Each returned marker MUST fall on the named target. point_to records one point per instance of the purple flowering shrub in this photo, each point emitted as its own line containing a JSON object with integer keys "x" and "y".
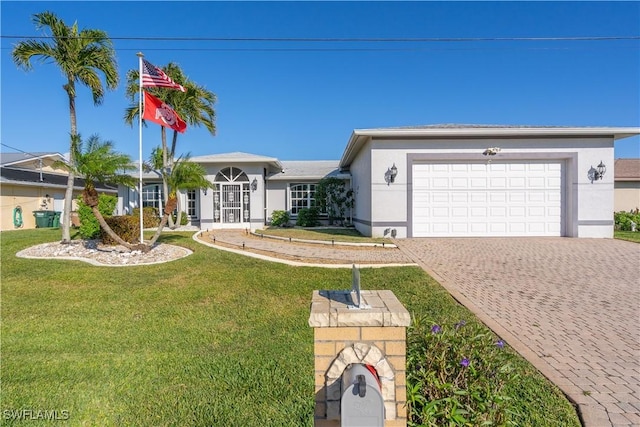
{"x": 456, "y": 375}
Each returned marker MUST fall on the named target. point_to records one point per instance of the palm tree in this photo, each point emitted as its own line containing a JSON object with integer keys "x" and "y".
{"x": 81, "y": 56}
{"x": 195, "y": 107}
{"x": 184, "y": 175}
{"x": 96, "y": 162}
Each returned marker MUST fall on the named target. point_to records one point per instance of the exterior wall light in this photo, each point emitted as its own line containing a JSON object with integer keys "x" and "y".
{"x": 254, "y": 184}
{"x": 596, "y": 173}
{"x": 492, "y": 151}
{"x": 390, "y": 174}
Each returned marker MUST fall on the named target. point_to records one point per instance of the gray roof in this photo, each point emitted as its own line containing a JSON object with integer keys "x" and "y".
{"x": 31, "y": 178}
{"x": 308, "y": 169}
{"x": 237, "y": 157}
{"x": 359, "y": 137}
{"x": 7, "y": 159}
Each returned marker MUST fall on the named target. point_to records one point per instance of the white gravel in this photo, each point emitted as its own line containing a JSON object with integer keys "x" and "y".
{"x": 93, "y": 252}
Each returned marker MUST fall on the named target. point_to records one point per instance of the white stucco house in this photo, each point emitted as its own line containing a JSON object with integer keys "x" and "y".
{"x": 426, "y": 181}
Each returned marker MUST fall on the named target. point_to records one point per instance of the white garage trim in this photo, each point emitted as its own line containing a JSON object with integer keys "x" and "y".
{"x": 481, "y": 198}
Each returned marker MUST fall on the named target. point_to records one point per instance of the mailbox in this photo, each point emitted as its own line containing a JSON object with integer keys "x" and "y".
{"x": 361, "y": 403}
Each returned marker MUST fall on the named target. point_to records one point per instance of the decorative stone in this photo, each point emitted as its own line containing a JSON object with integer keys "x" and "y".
{"x": 331, "y": 309}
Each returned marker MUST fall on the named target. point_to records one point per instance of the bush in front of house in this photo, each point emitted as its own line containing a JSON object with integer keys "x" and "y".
{"x": 184, "y": 219}
{"x": 456, "y": 375}
{"x": 623, "y": 220}
{"x": 126, "y": 226}
{"x": 280, "y": 218}
{"x": 150, "y": 216}
{"x": 308, "y": 217}
{"x": 89, "y": 225}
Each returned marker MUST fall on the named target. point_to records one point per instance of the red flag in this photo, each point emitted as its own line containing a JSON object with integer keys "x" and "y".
{"x": 159, "y": 112}
{"x": 153, "y": 76}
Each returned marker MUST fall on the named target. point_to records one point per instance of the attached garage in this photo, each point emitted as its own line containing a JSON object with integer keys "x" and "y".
{"x": 460, "y": 199}
{"x": 455, "y": 180}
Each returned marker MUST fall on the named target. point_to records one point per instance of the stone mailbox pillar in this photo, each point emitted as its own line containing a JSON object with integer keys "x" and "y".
{"x": 372, "y": 333}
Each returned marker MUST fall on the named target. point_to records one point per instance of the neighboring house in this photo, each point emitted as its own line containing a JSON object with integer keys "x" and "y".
{"x": 30, "y": 182}
{"x": 627, "y": 185}
{"x": 441, "y": 180}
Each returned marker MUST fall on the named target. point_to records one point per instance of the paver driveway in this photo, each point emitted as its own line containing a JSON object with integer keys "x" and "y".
{"x": 570, "y": 306}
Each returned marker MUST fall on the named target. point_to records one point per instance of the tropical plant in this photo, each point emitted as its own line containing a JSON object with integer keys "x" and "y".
{"x": 96, "y": 162}
{"x": 81, "y": 55}
{"x": 194, "y": 106}
{"x": 184, "y": 175}
{"x": 333, "y": 196}
{"x": 627, "y": 221}
{"x": 89, "y": 225}
{"x": 308, "y": 217}
{"x": 280, "y": 218}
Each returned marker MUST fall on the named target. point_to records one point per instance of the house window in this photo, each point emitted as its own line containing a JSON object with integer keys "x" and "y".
{"x": 302, "y": 196}
{"x": 152, "y": 196}
{"x": 191, "y": 204}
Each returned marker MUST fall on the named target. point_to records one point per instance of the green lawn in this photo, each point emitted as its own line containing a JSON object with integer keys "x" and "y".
{"x": 326, "y": 234}
{"x": 627, "y": 235}
{"x": 214, "y": 339}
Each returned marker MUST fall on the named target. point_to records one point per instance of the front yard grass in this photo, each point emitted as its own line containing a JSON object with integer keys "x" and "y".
{"x": 632, "y": 236}
{"x": 214, "y": 339}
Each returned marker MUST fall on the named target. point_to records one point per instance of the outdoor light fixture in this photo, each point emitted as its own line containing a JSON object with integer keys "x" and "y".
{"x": 597, "y": 173}
{"x": 254, "y": 184}
{"x": 390, "y": 174}
{"x": 205, "y": 191}
{"x": 491, "y": 151}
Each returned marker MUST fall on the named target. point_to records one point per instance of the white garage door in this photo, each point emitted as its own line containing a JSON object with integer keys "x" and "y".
{"x": 487, "y": 199}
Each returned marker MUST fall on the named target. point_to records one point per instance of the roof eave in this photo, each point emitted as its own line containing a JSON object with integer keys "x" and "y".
{"x": 360, "y": 136}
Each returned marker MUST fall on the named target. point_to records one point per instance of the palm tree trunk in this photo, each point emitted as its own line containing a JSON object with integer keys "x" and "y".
{"x": 165, "y": 165}
{"x": 68, "y": 195}
{"x": 171, "y": 205}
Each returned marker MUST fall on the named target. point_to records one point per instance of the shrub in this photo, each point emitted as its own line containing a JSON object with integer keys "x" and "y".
{"x": 456, "y": 375}
{"x": 280, "y": 218}
{"x": 89, "y": 226}
{"x": 184, "y": 219}
{"x": 150, "y": 216}
{"x": 127, "y": 227}
{"x": 333, "y": 196}
{"x": 623, "y": 220}
{"x": 308, "y": 217}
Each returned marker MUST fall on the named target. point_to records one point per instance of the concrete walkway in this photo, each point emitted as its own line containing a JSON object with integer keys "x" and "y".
{"x": 570, "y": 306}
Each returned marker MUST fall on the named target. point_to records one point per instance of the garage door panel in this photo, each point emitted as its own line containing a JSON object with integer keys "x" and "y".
{"x": 488, "y": 199}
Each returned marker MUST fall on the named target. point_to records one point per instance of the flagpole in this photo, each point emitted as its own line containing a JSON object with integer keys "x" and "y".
{"x": 140, "y": 56}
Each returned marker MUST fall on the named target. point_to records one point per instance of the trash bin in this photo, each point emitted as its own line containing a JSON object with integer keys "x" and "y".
{"x": 43, "y": 219}
{"x": 56, "y": 219}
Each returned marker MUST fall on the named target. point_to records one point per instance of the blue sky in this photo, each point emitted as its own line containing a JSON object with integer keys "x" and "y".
{"x": 301, "y": 100}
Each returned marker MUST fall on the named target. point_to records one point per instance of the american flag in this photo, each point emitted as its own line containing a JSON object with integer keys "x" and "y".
{"x": 153, "y": 76}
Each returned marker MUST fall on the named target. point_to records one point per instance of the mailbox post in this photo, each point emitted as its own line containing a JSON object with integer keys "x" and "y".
{"x": 351, "y": 343}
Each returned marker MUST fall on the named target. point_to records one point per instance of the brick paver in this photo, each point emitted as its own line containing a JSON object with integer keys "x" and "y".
{"x": 570, "y": 306}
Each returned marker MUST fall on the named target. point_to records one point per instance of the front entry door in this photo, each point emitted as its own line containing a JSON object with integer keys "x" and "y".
{"x": 231, "y": 206}
{"x": 231, "y": 199}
